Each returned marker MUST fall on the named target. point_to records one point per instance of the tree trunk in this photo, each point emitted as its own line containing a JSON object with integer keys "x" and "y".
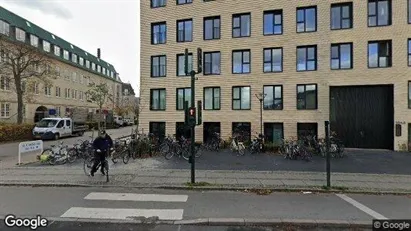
{"x": 100, "y": 119}
{"x": 20, "y": 105}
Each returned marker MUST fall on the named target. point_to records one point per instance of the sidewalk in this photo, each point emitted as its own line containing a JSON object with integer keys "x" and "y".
{"x": 215, "y": 179}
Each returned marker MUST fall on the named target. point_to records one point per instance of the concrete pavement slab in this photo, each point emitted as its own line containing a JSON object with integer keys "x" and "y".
{"x": 293, "y": 182}
{"x": 226, "y": 221}
{"x": 266, "y": 183}
{"x": 249, "y": 182}
{"x": 225, "y": 181}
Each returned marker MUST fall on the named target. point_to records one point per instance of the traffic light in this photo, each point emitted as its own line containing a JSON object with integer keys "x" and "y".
{"x": 199, "y": 60}
{"x": 199, "y": 106}
{"x": 192, "y": 116}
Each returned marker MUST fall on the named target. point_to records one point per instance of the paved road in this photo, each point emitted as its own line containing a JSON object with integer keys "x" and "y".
{"x": 112, "y": 203}
{"x": 11, "y": 149}
{"x": 77, "y": 226}
{"x": 356, "y": 161}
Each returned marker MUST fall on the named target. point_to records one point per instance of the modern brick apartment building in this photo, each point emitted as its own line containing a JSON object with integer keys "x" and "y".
{"x": 74, "y": 67}
{"x": 348, "y": 62}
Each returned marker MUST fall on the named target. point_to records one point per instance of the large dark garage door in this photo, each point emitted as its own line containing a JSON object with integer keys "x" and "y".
{"x": 363, "y": 116}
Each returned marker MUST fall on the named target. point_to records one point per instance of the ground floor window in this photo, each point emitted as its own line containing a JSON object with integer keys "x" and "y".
{"x": 274, "y": 133}
{"x": 209, "y": 128}
{"x": 5, "y": 110}
{"x": 182, "y": 130}
{"x": 243, "y": 130}
{"x": 158, "y": 129}
{"x": 307, "y": 129}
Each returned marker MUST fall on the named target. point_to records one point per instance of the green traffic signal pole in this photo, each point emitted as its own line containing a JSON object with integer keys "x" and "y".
{"x": 193, "y": 122}
{"x": 193, "y": 76}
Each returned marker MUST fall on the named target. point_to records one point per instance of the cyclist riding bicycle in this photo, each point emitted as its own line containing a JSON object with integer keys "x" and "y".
{"x": 101, "y": 145}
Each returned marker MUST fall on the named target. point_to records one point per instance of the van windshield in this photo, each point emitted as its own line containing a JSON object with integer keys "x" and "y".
{"x": 47, "y": 123}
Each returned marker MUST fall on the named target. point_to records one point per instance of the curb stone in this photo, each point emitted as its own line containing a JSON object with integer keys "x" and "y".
{"x": 206, "y": 188}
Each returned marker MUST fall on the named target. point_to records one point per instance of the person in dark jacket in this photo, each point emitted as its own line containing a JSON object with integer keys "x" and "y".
{"x": 102, "y": 144}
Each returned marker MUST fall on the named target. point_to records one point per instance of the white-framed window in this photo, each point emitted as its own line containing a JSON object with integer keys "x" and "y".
{"x": 74, "y": 58}
{"x": 46, "y": 46}
{"x": 66, "y": 55}
{"x": 93, "y": 66}
{"x": 34, "y": 40}
{"x": 67, "y": 74}
{"x": 57, "y": 50}
{"x": 87, "y": 64}
{"x": 81, "y": 78}
{"x": 5, "y": 110}
{"x": 20, "y": 35}
{"x": 4, "y": 83}
{"x": 58, "y": 92}
{"x": 4, "y": 28}
{"x": 81, "y": 61}
{"x": 57, "y": 70}
{"x": 58, "y": 111}
{"x": 98, "y": 68}
{"x": 47, "y": 91}
{"x": 36, "y": 88}
{"x": 67, "y": 93}
{"x": 104, "y": 70}
{"x": 74, "y": 77}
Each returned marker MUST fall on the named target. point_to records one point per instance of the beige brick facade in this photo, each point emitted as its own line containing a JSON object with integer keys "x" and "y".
{"x": 68, "y": 77}
{"x": 324, "y": 77}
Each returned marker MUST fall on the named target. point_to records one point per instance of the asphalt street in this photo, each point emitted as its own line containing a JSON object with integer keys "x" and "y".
{"x": 76, "y": 226}
{"x": 11, "y": 149}
{"x": 355, "y": 161}
{"x": 113, "y": 203}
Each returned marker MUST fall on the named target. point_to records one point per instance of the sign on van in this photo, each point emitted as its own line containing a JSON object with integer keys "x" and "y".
{"x": 30, "y": 146}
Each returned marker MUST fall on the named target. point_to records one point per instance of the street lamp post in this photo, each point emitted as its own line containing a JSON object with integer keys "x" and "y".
{"x": 260, "y": 97}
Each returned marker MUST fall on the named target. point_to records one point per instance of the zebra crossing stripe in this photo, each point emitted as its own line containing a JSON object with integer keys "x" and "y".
{"x": 136, "y": 197}
{"x": 122, "y": 214}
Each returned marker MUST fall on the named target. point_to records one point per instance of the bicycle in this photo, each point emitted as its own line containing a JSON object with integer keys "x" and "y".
{"x": 237, "y": 146}
{"x": 89, "y": 162}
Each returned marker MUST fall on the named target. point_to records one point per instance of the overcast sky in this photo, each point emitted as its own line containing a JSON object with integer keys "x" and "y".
{"x": 111, "y": 25}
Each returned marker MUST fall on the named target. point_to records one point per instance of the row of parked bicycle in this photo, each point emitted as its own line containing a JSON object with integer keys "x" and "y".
{"x": 124, "y": 148}
{"x": 136, "y": 145}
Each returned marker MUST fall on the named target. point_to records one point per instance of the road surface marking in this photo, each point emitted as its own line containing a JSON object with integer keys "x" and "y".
{"x": 136, "y": 197}
{"x": 109, "y": 213}
{"x": 362, "y": 207}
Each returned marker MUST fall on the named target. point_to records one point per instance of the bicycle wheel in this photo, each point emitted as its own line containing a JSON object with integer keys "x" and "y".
{"x": 170, "y": 153}
{"x": 164, "y": 148}
{"x": 185, "y": 153}
{"x": 114, "y": 157}
{"x": 87, "y": 165}
{"x": 106, "y": 167}
{"x": 241, "y": 149}
{"x": 126, "y": 156}
{"x": 199, "y": 150}
{"x": 71, "y": 155}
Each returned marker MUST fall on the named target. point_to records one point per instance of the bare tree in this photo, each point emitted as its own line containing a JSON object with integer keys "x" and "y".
{"x": 138, "y": 107}
{"x": 24, "y": 66}
{"x": 99, "y": 94}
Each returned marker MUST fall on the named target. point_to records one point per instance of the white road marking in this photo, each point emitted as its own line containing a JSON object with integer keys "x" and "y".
{"x": 122, "y": 214}
{"x": 362, "y": 207}
{"x": 136, "y": 197}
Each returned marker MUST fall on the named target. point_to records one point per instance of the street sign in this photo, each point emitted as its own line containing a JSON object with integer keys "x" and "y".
{"x": 52, "y": 112}
{"x": 30, "y": 146}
